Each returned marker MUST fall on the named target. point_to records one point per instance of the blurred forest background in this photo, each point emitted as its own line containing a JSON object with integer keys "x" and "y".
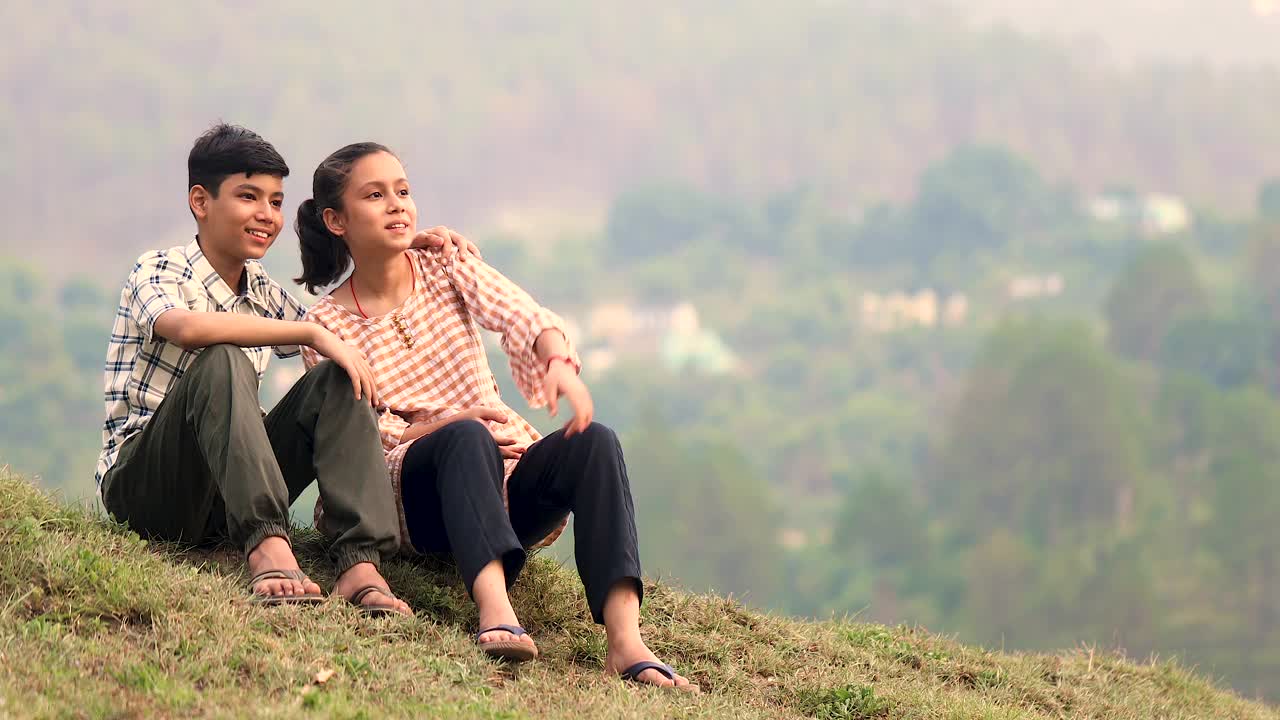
{"x": 966, "y": 315}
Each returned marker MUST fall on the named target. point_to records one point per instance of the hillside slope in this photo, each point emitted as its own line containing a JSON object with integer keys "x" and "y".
{"x": 96, "y": 623}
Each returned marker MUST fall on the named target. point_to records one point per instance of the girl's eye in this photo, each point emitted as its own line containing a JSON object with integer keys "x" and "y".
{"x": 277, "y": 203}
{"x": 375, "y": 194}
{"x": 404, "y": 192}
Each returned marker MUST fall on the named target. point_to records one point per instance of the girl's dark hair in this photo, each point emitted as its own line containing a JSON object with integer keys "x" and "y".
{"x": 324, "y": 255}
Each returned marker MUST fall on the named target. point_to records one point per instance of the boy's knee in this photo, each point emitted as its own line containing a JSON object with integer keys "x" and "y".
{"x": 222, "y": 357}
{"x": 331, "y": 373}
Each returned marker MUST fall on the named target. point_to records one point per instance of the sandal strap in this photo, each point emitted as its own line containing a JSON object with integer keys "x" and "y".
{"x": 513, "y": 629}
{"x": 633, "y": 672}
{"x": 362, "y": 593}
{"x": 297, "y": 575}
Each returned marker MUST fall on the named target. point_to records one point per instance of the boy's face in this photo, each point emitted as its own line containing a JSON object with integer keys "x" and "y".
{"x": 245, "y": 217}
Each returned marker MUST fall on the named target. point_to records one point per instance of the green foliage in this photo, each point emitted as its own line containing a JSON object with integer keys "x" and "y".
{"x": 1229, "y": 351}
{"x": 704, "y": 494}
{"x": 979, "y": 198}
{"x": 661, "y": 218}
{"x": 51, "y": 359}
{"x": 851, "y": 702}
{"x": 1159, "y": 287}
{"x": 1047, "y": 439}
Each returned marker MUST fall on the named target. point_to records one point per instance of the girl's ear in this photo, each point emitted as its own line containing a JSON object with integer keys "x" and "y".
{"x": 333, "y": 221}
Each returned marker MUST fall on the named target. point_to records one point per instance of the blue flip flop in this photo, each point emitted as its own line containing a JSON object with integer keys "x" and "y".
{"x": 513, "y": 650}
{"x": 632, "y": 674}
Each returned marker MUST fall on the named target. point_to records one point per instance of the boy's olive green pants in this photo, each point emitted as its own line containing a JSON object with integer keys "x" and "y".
{"x": 208, "y": 466}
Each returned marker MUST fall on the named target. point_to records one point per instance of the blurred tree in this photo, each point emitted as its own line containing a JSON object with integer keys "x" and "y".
{"x": 659, "y": 218}
{"x": 704, "y": 515}
{"x": 1158, "y": 287}
{"x": 1046, "y": 440}
{"x": 1228, "y": 350}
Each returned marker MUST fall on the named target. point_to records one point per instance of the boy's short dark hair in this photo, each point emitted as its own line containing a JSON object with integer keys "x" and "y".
{"x": 225, "y": 150}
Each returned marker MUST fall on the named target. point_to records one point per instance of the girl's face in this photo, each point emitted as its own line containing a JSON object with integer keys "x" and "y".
{"x": 378, "y": 211}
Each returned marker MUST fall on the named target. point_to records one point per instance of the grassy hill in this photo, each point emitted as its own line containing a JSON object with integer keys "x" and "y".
{"x": 96, "y": 623}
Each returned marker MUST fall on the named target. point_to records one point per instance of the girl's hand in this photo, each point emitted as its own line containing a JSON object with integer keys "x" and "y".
{"x": 561, "y": 379}
{"x": 508, "y": 446}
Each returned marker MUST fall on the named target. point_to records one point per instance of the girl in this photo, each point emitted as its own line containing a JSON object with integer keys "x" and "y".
{"x": 471, "y": 476}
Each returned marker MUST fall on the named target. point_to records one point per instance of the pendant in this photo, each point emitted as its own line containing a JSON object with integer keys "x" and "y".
{"x": 405, "y": 336}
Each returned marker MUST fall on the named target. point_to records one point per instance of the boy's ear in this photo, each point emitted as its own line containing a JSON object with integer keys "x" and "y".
{"x": 333, "y": 221}
{"x": 199, "y": 199}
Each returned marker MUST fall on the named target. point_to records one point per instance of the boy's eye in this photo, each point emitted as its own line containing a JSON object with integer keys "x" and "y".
{"x": 247, "y": 196}
{"x": 277, "y": 203}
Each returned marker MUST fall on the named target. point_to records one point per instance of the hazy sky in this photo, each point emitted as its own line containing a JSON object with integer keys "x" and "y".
{"x": 1218, "y": 31}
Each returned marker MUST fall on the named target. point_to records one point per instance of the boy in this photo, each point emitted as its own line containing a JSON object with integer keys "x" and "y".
{"x": 187, "y": 454}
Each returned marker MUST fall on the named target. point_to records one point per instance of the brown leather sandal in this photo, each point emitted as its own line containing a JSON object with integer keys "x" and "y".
{"x": 297, "y": 575}
{"x": 375, "y": 610}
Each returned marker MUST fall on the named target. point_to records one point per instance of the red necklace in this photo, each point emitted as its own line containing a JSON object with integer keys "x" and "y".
{"x": 396, "y": 319}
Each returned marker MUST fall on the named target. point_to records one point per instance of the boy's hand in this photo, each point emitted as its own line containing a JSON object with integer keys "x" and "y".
{"x": 442, "y": 237}
{"x": 561, "y": 379}
{"x": 350, "y": 359}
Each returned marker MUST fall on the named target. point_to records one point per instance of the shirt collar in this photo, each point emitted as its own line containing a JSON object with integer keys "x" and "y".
{"x": 218, "y": 289}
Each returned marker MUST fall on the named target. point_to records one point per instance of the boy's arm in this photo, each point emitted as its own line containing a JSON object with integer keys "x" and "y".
{"x": 191, "y": 330}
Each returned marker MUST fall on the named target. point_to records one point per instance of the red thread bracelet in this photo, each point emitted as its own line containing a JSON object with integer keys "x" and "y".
{"x": 567, "y": 359}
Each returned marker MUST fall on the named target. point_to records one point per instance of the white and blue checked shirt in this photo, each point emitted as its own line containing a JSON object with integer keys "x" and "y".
{"x": 142, "y": 366}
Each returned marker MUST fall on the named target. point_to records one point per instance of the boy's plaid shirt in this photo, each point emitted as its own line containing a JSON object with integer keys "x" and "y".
{"x": 141, "y": 366}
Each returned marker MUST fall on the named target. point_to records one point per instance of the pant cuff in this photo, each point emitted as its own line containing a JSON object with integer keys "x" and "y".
{"x": 595, "y": 600}
{"x": 264, "y": 531}
{"x": 346, "y": 557}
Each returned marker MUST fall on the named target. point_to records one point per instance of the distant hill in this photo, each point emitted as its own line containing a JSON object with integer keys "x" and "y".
{"x": 509, "y": 107}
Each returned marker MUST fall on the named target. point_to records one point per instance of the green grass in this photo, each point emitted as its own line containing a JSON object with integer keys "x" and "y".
{"x": 95, "y": 623}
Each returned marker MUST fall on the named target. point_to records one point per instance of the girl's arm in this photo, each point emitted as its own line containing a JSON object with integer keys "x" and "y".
{"x": 531, "y": 334}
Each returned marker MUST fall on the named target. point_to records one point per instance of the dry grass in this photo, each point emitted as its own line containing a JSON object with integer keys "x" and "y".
{"x": 96, "y": 623}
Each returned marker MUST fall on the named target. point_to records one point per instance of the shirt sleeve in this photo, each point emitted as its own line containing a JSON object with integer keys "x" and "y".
{"x": 286, "y": 307}
{"x": 500, "y": 305}
{"x": 154, "y": 289}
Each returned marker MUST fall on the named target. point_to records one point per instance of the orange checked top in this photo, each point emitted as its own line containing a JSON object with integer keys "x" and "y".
{"x": 428, "y": 358}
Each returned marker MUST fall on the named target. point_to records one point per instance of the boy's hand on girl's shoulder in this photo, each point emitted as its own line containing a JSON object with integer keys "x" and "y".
{"x": 449, "y": 241}
{"x": 348, "y": 358}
